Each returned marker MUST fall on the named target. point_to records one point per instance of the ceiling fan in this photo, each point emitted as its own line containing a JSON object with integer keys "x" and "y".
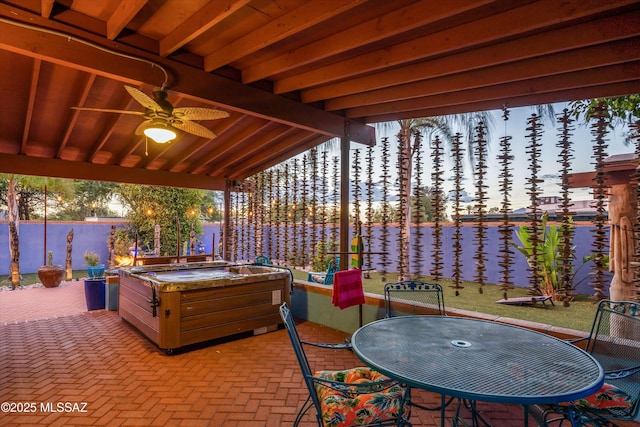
{"x": 161, "y": 117}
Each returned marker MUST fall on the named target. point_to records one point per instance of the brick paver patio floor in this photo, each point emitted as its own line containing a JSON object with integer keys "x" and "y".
{"x": 52, "y": 351}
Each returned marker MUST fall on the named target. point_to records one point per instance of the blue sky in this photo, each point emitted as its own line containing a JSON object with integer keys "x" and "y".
{"x": 516, "y": 128}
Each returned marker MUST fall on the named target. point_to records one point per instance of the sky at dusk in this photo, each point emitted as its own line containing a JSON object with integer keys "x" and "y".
{"x": 516, "y": 128}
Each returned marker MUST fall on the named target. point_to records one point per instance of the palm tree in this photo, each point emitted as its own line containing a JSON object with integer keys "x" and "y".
{"x": 409, "y": 142}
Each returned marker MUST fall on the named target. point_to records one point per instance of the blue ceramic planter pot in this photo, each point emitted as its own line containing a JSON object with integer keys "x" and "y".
{"x": 95, "y": 271}
{"x": 94, "y": 293}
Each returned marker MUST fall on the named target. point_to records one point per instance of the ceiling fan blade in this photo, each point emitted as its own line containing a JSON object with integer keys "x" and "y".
{"x": 107, "y": 110}
{"x": 194, "y": 128}
{"x": 198, "y": 113}
{"x": 145, "y": 100}
{"x": 141, "y": 127}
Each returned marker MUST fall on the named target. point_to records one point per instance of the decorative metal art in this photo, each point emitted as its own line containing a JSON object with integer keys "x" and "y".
{"x": 357, "y": 169}
{"x": 313, "y": 203}
{"x": 635, "y": 130}
{"x": 458, "y": 170}
{"x": 418, "y": 209}
{"x": 268, "y": 210}
{"x": 505, "y": 228}
{"x": 335, "y": 210}
{"x": 243, "y": 224}
{"x": 234, "y": 226}
{"x": 323, "y": 197}
{"x": 599, "y": 131}
{"x": 259, "y": 215}
{"x": 480, "y": 151}
{"x": 369, "y": 212}
{"x": 295, "y": 250}
{"x": 277, "y": 213}
{"x": 535, "y": 230}
{"x": 304, "y": 206}
{"x": 565, "y": 247}
{"x": 437, "y": 152}
{"x": 384, "y": 238}
{"x": 403, "y": 196}
{"x": 286, "y": 214}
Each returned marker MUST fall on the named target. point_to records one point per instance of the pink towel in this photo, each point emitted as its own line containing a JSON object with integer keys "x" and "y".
{"x": 347, "y": 288}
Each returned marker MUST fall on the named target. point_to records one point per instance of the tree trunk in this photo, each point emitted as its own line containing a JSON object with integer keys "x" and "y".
{"x": 14, "y": 241}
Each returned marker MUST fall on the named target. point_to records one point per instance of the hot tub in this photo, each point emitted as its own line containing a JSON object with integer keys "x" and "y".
{"x": 175, "y": 305}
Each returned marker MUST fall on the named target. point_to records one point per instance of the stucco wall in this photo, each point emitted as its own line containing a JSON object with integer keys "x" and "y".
{"x": 94, "y": 235}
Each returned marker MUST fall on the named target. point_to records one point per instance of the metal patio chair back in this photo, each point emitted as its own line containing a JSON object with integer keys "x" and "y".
{"x": 327, "y": 277}
{"x": 413, "y": 297}
{"x": 262, "y": 260}
{"x": 614, "y": 341}
{"x": 376, "y": 401}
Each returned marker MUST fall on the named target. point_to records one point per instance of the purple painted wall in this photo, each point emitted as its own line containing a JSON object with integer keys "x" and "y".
{"x": 94, "y": 235}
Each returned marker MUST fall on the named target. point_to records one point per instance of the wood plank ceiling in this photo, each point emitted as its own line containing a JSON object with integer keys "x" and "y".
{"x": 292, "y": 74}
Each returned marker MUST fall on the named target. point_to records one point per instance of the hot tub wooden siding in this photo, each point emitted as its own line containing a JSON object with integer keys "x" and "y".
{"x": 191, "y": 316}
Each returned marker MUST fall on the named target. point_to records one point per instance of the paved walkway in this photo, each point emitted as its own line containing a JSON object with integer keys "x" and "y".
{"x": 38, "y": 303}
{"x": 102, "y": 372}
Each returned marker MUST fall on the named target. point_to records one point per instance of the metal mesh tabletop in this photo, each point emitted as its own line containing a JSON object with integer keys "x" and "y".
{"x": 477, "y": 359}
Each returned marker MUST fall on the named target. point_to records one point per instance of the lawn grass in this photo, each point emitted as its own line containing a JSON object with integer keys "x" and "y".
{"x": 578, "y": 316}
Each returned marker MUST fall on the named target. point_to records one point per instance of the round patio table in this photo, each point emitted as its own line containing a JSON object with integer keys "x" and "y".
{"x": 478, "y": 360}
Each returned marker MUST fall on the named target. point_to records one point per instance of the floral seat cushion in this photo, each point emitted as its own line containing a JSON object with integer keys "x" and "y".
{"x": 608, "y": 397}
{"x": 342, "y": 409}
{"x": 318, "y": 277}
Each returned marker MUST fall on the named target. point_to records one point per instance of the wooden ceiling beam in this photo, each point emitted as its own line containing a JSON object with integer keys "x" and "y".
{"x": 287, "y": 25}
{"x": 278, "y": 158}
{"x": 238, "y": 138}
{"x": 194, "y": 83}
{"x": 268, "y": 138}
{"x": 581, "y": 35}
{"x": 223, "y": 127}
{"x": 46, "y": 6}
{"x": 600, "y": 91}
{"x": 295, "y": 138}
{"x": 263, "y": 138}
{"x": 208, "y": 17}
{"x": 401, "y": 20}
{"x": 27, "y": 165}
{"x": 586, "y": 58}
{"x": 500, "y": 27}
{"x": 584, "y": 78}
{"x": 108, "y": 130}
{"x": 33, "y": 88}
{"x": 124, "y": 13}
{"x": 91, "y": 78}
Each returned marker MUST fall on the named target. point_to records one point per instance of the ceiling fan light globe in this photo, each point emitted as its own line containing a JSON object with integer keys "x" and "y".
{"x": 160, "y": 134}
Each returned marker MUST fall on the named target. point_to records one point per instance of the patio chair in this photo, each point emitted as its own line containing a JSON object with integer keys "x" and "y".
{"x": 615, "y": 343}
{"x": 413, "y": 297}
{"x": 325, "y": 278}
{"x": 262, "y": 260}
{"x": 357, "y": 396}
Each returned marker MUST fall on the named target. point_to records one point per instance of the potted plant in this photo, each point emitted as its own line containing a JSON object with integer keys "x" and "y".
{"x": 94, "y": 268}
{"x": 50, "y": 275}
